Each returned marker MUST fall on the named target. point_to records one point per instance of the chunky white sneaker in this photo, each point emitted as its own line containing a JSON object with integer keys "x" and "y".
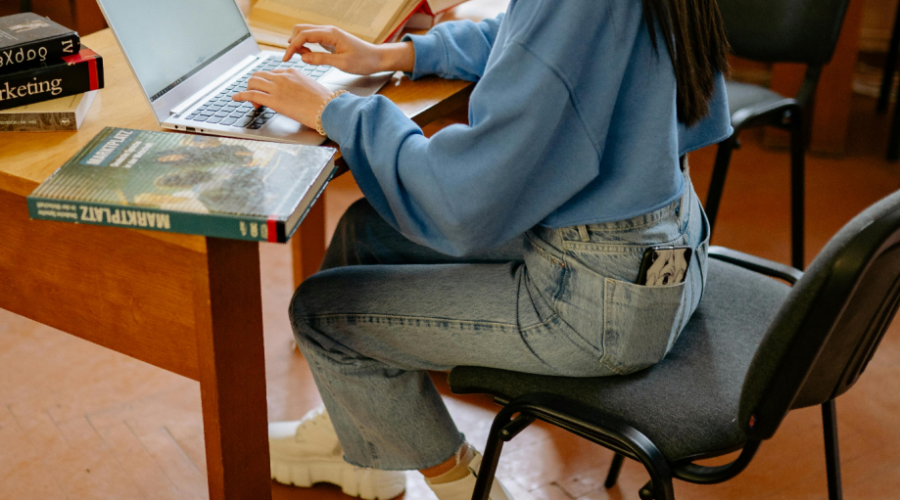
{"x": 307, "y": 451}
{"x": 462, "y": 489}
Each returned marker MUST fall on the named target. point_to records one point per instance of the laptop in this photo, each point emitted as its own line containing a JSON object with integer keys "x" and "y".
{"x": 191, "y": 56}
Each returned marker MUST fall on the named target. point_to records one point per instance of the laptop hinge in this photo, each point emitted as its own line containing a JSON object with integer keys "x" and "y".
{"x": 200, "y": 94}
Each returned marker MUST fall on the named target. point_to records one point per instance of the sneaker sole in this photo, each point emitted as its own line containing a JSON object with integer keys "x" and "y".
{"x": 368, "y": 484}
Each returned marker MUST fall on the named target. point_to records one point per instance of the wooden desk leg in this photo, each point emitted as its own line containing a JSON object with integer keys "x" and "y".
{"x": 232, "y": 371}
{"x": 308, "y": 243}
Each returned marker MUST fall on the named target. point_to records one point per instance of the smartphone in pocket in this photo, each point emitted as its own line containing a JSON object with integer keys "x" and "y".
{"x": 665, "y": 266}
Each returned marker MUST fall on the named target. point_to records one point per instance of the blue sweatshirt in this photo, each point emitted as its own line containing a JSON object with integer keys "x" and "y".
{"x": 572, "y": 121}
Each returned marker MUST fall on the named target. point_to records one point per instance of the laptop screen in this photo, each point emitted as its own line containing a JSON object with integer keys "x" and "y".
{"x": 167, "y": 41}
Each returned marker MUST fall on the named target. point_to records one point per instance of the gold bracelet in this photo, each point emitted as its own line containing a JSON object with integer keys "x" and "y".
{"x": 322, "y": 110}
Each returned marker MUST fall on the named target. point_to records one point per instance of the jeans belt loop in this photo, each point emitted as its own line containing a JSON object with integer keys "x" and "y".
{"x": 583, "y": 233}
{"x": 686, "y": 170}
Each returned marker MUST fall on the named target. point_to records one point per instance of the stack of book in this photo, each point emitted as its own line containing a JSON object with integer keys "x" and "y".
{"x": 47, "y": 78}
{"x": 377, "y": 22}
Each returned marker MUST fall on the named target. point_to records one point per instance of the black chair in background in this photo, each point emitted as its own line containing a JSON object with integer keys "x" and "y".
{"x": 887, "y": 84}
{"x": 754, "y": 350}
{"x": 800, "y": 31}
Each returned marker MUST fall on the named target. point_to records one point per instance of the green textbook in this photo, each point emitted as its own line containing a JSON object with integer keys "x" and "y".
{"x": 192, "y": 184}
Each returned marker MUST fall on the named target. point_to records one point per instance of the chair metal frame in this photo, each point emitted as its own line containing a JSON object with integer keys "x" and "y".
{"x": 857, "y": 299}
{"x": 623, "y": 439}
{"x": 615, "y": 435}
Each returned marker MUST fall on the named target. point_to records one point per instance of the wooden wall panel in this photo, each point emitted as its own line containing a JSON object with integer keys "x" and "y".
{"x": 57, "y": 10}
{"x": 831, "y": 109}
{"x": 831, "y": 115}
{"x": 83, "y": 16}
{"x": 88, "y": 17}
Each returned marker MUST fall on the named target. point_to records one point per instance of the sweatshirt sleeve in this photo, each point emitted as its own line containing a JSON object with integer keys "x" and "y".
{"x": 458, "y": 50}
{"x": 470, "y": 187}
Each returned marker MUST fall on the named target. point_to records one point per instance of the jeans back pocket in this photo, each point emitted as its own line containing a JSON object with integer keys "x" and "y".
{"x": 640, "y": 323}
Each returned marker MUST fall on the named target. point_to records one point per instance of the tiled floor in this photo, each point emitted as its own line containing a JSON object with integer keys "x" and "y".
{"x": 80, "y": 422}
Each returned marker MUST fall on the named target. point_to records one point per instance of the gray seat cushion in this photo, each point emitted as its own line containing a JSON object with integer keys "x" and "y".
{"x": 687, "y": 404}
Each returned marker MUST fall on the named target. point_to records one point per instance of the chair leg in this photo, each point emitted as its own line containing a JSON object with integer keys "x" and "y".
{"x": 717, "y": 184}
{"x": 489, "y": 462}
{"x": 614, "y": 468}
{"x": 798, "y": 181}
{"x": 832, "y": 455}
{"x": 659, "y": 487}
{"x": 646, "y": 493}
{"x": 890, "y": 66}
{"x": 503, "y": 429}
{"x": 542, "y": 407}
{"x": 893, "y": 152}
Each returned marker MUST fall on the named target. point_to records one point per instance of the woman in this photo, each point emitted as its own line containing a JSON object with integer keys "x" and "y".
{"x": 513, "y": 242}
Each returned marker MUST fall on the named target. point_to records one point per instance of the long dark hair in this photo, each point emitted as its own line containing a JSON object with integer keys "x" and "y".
{"x": 695, "y": 40}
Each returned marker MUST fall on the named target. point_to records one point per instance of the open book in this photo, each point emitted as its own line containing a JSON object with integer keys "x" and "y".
{"x": 374, "y": 21}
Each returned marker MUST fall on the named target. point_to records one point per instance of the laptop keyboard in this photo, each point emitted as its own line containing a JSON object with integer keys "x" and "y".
{"x": 221, "y": 109}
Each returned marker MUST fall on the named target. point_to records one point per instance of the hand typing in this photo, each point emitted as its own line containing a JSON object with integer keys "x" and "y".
{"x": 349, "y": 53}
{"x": 288, "y": 92}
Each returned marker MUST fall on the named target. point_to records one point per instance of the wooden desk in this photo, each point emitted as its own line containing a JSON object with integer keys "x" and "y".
{"x": 184, "y": 303}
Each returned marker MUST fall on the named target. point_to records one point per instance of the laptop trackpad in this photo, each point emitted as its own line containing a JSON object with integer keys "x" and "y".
{"x": 358, "y": 84}
{"x": 282, "y": 127}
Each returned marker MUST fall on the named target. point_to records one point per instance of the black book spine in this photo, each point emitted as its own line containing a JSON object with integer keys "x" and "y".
{"x": 72, "y": 75}
{"x": 37, "y": 52}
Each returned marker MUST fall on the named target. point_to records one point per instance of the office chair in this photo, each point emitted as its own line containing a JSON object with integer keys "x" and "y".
{"x": 801, "y": 31}
{"x": 754, "y": 350}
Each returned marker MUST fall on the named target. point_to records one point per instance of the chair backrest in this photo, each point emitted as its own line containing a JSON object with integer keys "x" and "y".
{"x": 831, "y": 323}
{"x": 803, "y": 31}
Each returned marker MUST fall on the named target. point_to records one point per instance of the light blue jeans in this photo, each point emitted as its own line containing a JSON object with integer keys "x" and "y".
{"x": 383, "y": 310}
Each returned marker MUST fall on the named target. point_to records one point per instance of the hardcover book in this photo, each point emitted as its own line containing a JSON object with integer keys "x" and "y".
{"x": 430, "y": 13}
{"x": 70, "y": 75}
{"x": 192, "y": 184}
{"x": 435, "y": 7}
{"x": 28, "y": 40}
{"x": 272, "y": 21}
{"x": 422, "y": 20}
{"x": 65, "y": 113}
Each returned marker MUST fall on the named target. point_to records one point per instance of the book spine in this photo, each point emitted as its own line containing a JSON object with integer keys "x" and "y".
{"x": 215, "y": 225}
{"x": 393, "y": 36}
{"x": 51, "y": 82}
{"x": 38, "y": 122}
{"x": 436, "y": 11}
{"x": 39, "y": 51}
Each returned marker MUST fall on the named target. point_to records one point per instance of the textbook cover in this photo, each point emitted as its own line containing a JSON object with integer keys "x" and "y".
{"x": 192, "y": 184}
{"x": 28, "y": 40}
{"x": 75, "y": 74}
